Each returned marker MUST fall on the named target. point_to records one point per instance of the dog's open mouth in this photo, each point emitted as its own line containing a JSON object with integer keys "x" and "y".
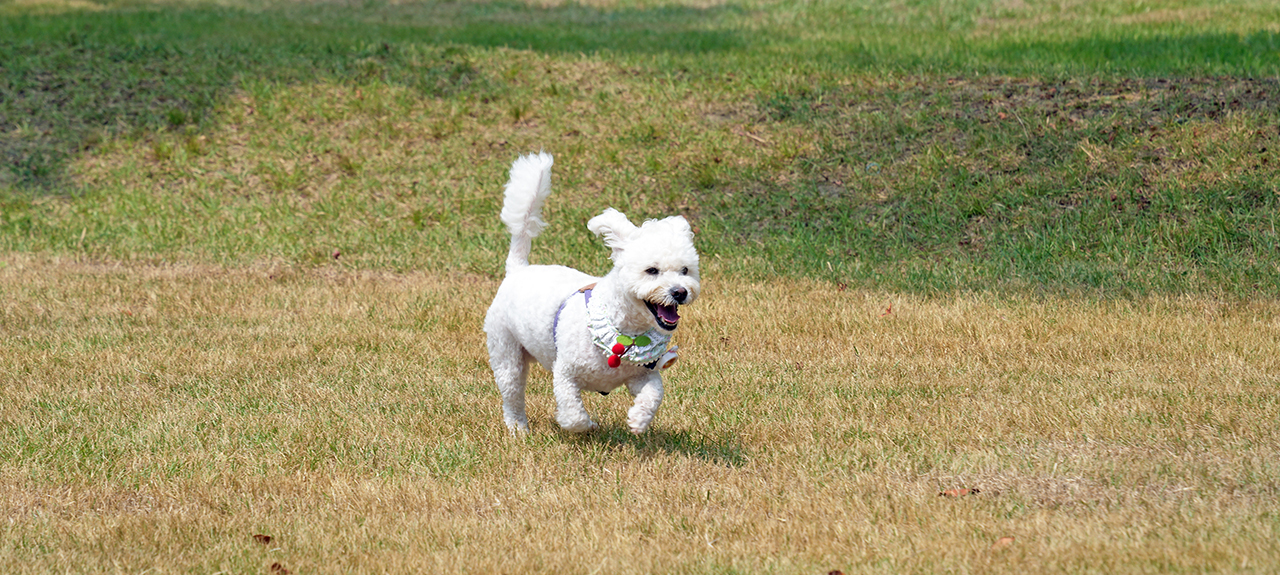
{"x": 667, "y": 315}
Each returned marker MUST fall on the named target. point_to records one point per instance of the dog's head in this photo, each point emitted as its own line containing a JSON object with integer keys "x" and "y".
{"x": 656, "y": 262}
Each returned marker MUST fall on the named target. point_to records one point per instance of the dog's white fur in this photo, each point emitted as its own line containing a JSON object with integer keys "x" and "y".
{"x": 521, "y": 323}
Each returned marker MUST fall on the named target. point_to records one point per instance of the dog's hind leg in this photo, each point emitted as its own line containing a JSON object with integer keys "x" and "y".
{"x": 571, "y": 414}
{"x": 510, "y": 363}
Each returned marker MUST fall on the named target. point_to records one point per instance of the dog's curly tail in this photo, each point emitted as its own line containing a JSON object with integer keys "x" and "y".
{"x": 525, "y": 193}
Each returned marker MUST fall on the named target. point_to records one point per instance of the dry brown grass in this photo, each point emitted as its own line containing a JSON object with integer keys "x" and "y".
{"x": 157, "y": 418}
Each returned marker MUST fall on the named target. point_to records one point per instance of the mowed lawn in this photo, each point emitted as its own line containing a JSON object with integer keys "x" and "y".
{"x": 160, "y": 417}
{"x": 988, "y": 286}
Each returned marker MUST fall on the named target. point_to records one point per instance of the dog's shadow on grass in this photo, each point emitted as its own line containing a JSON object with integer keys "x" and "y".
{"x": 724, "y": 450}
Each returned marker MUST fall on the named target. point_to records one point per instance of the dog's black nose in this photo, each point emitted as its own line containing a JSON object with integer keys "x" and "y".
{"x": 679, "y": 294}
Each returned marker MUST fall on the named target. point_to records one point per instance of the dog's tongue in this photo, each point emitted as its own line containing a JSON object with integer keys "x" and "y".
{"x": 668, "y": 313}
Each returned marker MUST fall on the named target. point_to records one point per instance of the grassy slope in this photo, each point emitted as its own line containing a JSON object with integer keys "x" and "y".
{"x": 923, "y": 147}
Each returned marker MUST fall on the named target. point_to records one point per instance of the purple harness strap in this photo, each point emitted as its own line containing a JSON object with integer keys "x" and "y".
{"x": 586, "y": 294}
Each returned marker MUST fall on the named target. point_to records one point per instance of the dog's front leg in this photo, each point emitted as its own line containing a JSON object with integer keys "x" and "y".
{"x": 571, "y": 414}
{"x": 648, "y": 393}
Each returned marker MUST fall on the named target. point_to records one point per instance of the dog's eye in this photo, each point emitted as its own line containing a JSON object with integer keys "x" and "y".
{"x": 652, "y": 271}
{"x": 684, "y": 271}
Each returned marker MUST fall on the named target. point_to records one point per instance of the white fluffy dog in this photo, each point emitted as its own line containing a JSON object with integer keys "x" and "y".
{"x": 594, "y": 334}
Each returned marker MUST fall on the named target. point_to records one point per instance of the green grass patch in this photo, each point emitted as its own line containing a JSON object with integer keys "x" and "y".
{"x": 1115, "y": 185}
{"x": 1115, "y": 148}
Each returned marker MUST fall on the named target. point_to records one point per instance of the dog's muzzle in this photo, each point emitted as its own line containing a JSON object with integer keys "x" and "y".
{"x": 668, "y": 316}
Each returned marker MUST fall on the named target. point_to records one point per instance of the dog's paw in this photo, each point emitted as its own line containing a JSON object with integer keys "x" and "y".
{"x": 584, "y": 425}
{"x": 638, "y": 420}
{"x": 517, "y": 427}
{"x": 518, "y": 430}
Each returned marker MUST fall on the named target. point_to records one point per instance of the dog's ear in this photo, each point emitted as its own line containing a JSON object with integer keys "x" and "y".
{"x": 681, "y": 225}
{"x": 614, "y": 227}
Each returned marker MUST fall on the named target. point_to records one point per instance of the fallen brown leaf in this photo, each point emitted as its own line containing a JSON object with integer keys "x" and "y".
{"x": 747, "y": 134}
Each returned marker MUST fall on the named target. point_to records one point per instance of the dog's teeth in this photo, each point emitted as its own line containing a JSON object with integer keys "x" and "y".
{"x": 666, "y": 315}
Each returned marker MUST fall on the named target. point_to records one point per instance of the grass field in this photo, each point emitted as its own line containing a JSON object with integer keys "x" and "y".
{"x": 159, "y": 418}
{"x": 1020, "y": 247}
